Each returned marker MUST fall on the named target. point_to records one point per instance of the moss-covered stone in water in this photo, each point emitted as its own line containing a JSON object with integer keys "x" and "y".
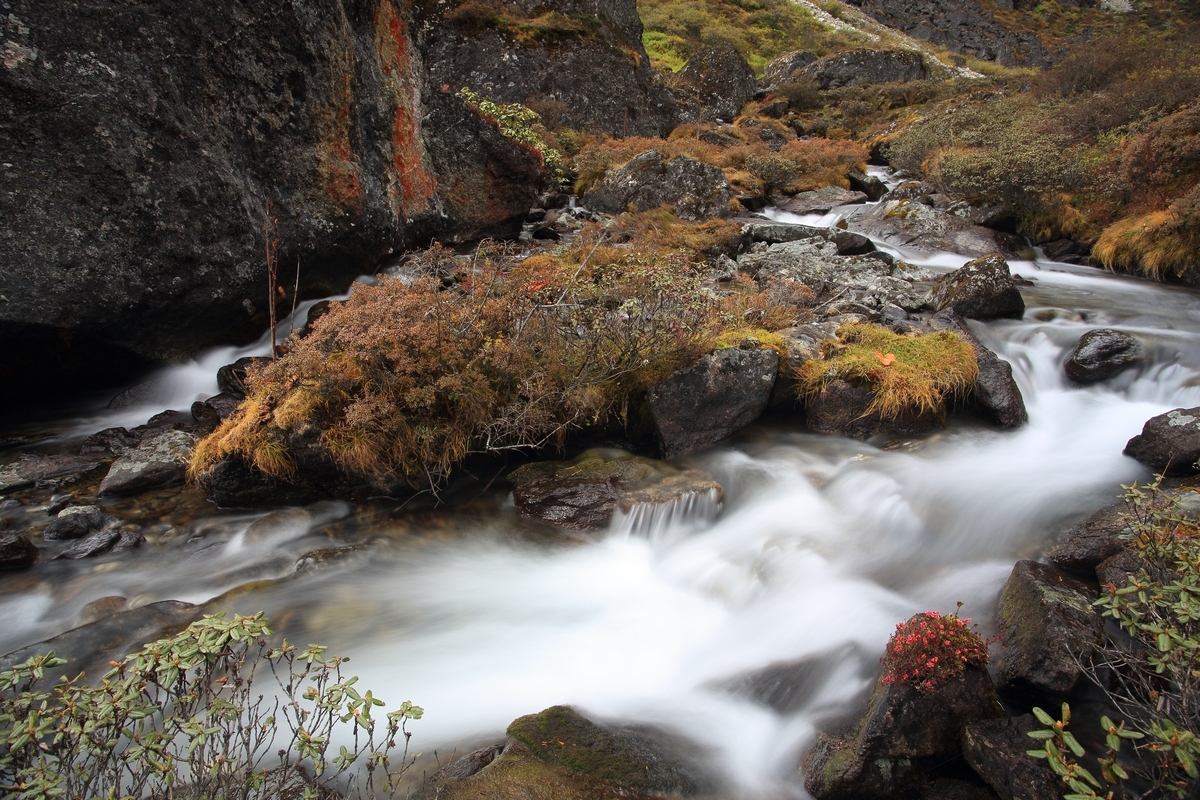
{"x": 563, "y": 737}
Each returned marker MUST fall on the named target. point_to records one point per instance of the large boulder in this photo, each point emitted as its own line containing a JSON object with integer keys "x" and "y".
{"x": 847, "y": 243}
{"x": 586, "y": 492}
{"x": 715, "y": 83}
{"x": 995, "y": 394}
{"x": 710, "y": 401}
{"x": 980, "y": 289}
{"x": 902, "y": 222}
{"x": 843, "y": 409}
{"x": 158, "y": 460}
{"x": 997, "y": 750}
{"x": 1101, "y": 354}
{"x": 581, "y": 60}
{"x": 820, "y": 201}
{"x": 694, "y": 189}
{"x": 36, "y": 468}
{"x": 146, "y": 153}
{"x": 1169, "y": 443}
{"x": 802, "y": 343}
{"x": 1048, "y": 628}
{"x": 16, "y": 551}
{"x": 859, "y": 67}
{"x": 787, "y": 67}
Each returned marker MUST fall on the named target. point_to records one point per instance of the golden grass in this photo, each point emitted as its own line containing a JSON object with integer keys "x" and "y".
{"x": 1154, "y": 243}
{"x": 906, "y": 373}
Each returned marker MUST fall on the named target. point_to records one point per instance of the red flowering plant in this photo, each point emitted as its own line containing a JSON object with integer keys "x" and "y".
{"x": 932, "y": 648}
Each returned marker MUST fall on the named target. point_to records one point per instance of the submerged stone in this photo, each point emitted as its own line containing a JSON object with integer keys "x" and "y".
{"x": 1101, "y": 354}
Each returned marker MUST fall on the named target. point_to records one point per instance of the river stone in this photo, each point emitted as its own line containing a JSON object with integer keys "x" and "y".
{"x": 1101, "y": 354}
{"x": 820, "y": 201}
{"x": 980, "y": 289}
{"x": 1047, "y": 626}
{"x": 995, "y": 393}
{"x": 801, "y": 344}
{"x": 76, "y": 522}
{"x": 101, "y": 608}
{"x": 33, "y": 468}
{"x": 848, "y": 243}
{"x": 869, "y": 185}
{"x": 231, "y": 378}
{"x": 109, "y": 442}
{"x": 907, "y": 223}
{"x": 996, "y": 750}
{"x": 16, "y": 551}
{"x": 901, "y": 727}
{"x": 1091, "y": 541}
{"x": 159, "y": 460}
{"x": 710, "y": 401}
{"x": 108, "y": 540}
{"x": 864, "y": 66}
{"x": 841, "y": 409}
{"x": 1169, "y": 443}
{"x": 211, "y": 412}
{"x": 715, "y": 83}
{"x": 585, "y": 493}
{"x": 695, "y": 190}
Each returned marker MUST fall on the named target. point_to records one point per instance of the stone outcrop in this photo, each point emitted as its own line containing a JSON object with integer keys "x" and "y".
{"x": 980, "y": 289}
{"x": 694, "y": 189}
{"x": 585, "y": 492}
{"x": 16, "y": 551}
{"x": 715, "y": 83}
{"x": 581, "y": 60}
{"x": 158, "y": 460}
{"x": 866, "y": 66}
{"x": 1101, "y": 354}
{"x": 787, "y": 67}
{"x": 995, "y": 394}
{"x": 145, "y": 152}
{"x": 996, "y": 750}
{"x": 902, "y": 222}
{"x": 1169, "y": 443}
{"x": 820, "y": 201}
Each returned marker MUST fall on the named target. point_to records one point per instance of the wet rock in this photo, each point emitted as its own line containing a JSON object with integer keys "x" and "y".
{"x": 109, "y": 540}
{"x": 869, "y": 185}
{"x": 1047, "y": 626}
{"x": 951, "y": 789}
{"x": 315, "y": 312}
{"x": 841, "y": 409}
{"x": 159, "y": 460}
{"x": 1169, "y": 443}
{"x": 108, "y": 442}
{"x": 57, "y": 503}
{"x": 907, "y": 223}
{"x": 847, "y": 242}
{"x": 141, "y": 394}
{"x": 980, "y": 289}
{"x": 99, "y": 609}
{"x": 902, "y": 733}
{"x": 859, "y": 67}
{"x": 1101, "y": 354}
{"x": 715, "y": 83}
{"x": 232, "y": 483}
{"x": 279, "y": 526}
{"x": 695, "y": 190}
{"x": 212, "y": 412}
{"x": 787, "y": 687}
{"x": 802, "y": 343}
{"x": 1116, "y": 570}
{"x": 710, "y": 401}
{"x": 76, "y": 522}
{"x": 16, "y": 551}
{"x": 995, "y": 394}
{"x": 324, "y": 557}
{"x": 820, "y": 201}
{"x": 996, "y": 750}
{"x": 1090, "y": 542}
{"x": 231, "y": 378}
{"x": 585, "y": 493}
{"x": 787, "y": 67}
{"x": 36, "y": 468}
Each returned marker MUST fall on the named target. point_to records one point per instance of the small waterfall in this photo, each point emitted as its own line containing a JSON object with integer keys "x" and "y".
{"x": 662, "y": 523}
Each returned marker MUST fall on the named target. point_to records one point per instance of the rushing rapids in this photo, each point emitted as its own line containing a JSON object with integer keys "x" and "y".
{"x": 819, "y": 546}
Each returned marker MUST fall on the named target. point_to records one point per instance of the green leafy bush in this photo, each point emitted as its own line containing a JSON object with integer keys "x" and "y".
{"x": 186, "y": 716}
{"x": 516, "y": 122}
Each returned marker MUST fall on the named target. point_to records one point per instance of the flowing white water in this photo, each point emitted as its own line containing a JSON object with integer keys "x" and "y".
{"x": 819, "y": 547}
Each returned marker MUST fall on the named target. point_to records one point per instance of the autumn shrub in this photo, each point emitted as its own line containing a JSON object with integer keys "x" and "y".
{"x": 519, "y": 124}
{"x": 214, "y": 711}
{"x": 906, "y": 373}
{"x": 930, "y": 649}
{"x": 1161, "y": 243}
{"x": 476, "y": 16}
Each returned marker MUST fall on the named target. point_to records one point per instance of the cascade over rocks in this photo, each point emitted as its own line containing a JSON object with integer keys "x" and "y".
{"x": 980, "y": 289}
{"x": 585, "y": 493}
{"x": 1169, "y": 443}
{"x": 861, "y": 67}
{"x": 1101, "y": 354}
{"x": 1048, "y": 628}
{"x": 695, "y": 190}
{"x": 143, "y": 188}
{"x": 714, "y": 84}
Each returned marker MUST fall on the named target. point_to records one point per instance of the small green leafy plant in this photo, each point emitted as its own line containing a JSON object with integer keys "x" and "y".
{"x": 184, "y": 717}
{"x": 930, "y": 649}
{"x": 516, "y": 122}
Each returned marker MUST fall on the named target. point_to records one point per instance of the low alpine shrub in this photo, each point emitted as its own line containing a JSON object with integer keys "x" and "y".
{"x": 932, "y": 648}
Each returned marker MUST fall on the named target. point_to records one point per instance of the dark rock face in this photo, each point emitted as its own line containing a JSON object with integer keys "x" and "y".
{"x": 76, "y": 522}
{"x": 995, "y": 394}
{"x": 703, "y": 404}
{"x": 962, "y": 26}
{"x": 1169, "y": 443}
{"x": 995, "y": 749}
{"x": 715, "y": 83}
{"x": 696, "y": 190}
{"x": 1047, "y": 626}
{"x": 860, "y": 67}
{"x": 231, "y": 378}
{"x": 841, "y": 409}
{"x": 787, "y": 67}
{"x": 109, "y": 442}
{"x": 901, "y": 730}
{"x": 595, "y": 72}
{"x": 159, "y": 460}
{"x": 869, "y": 185}
{"x": 33, "y": 468}
{"x": 1101, "y": 354}
{"x": 16, "y": 551}
{"x": 585, "y": 493}
{"x": 819, "y": 201}
{"x": 146, "y": 145}
{"x": 1091, "y": 542}
{"x": 980, "y": 289}
{"x": 846, "y": 242}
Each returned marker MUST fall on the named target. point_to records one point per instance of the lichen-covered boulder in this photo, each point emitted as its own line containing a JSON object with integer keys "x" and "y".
{"x": 1169, "y": 443}
{"x": 1101, "y": 354}
{"x": 980, "y": 289}
{"x": 710, "y": 401}
{"x": 903, "y": 222}
{"x": 109, "y": 540}
{"x": 864, "y": 66}
{"x": 848, "y": 243}
{"x": 694, "y": 189}
{"x": 715, "y": 83}
{"x": 159, "y": 460}
{"x": 586, "y": 492}
{"x": 787, "y": 67}
{"x": 1047, "y": 627}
